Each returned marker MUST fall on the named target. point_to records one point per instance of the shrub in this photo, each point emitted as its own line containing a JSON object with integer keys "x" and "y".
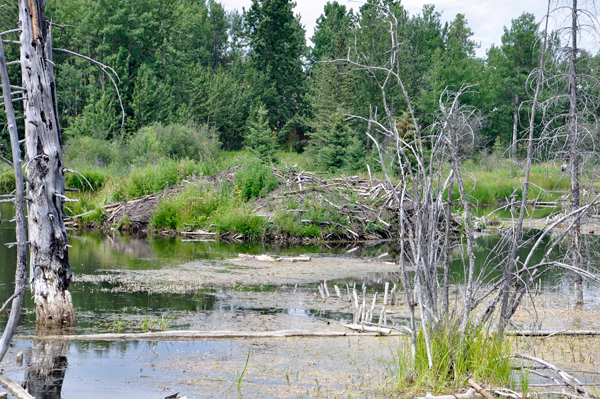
{"x": 194, "y": 205}
{"x": 174, "y": 141}
{"x": 89, "y": 151}
{"x": 96, "y": 177}
{"x": 7, "y": 181}
{"x": 255, "y": 180}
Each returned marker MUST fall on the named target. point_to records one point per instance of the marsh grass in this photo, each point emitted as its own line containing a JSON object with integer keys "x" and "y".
{"x": 492, "y": 180}
{"x": 239, "y": 376}
{"x": 205, "y": 206}
{"x": 456, "y": 357}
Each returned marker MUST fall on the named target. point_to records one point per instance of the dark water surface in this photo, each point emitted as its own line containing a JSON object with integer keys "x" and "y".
{"x": 128, "y": 369}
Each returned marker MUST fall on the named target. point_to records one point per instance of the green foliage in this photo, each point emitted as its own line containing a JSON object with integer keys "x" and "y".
{"x": 154, "y": 178}
{"x": 194, "y": 205}
{"x": 7, "y": 181}
{"x": 148, "y": 145}
{"x": 493, "y": 180}
{"x": 174, "y": 141}
{"x": 84, "y": 177}
{"x": 336, "y": 147}
{"x": 277, "y": 43}
{"x": 455, "y": 356}
{"x": 255, "y": 180}
{"x": 240, "y": 376}
{"x": 260, "y": 139}
{"x": 89, "y": 151}
{"x": 203, "y": 206}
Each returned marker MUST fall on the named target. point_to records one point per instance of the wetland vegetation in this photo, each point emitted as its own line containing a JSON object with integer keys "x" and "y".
{"x": 448, "y": 203}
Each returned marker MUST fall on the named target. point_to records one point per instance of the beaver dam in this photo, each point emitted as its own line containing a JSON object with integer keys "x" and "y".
{"x": 302, "y": 206}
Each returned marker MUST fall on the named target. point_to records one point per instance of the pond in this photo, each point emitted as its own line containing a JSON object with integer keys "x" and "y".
{"x": 126, "y": 284}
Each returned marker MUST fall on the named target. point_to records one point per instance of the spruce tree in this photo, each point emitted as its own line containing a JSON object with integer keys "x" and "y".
{"x": 260, "y": 139}
{"x": 277, "y": 43}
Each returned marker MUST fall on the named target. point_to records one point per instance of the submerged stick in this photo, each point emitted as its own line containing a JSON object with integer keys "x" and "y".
{"x": 566, "y": 377}
{"x": 337, "y": 291}
{"x": 385, "y": 294}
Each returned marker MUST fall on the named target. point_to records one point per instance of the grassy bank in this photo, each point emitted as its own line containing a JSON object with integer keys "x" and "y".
{"x": 233, "y": 192}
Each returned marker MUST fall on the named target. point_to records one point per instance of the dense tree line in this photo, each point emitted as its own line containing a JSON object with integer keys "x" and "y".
{"x": 250, "y": 77}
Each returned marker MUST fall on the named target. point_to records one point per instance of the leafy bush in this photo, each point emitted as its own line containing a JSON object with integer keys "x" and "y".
{"x": 255, "y": 180}
{"x": 7, "y": 181}
{"x": 89, "y": 151}
{"x": 195, "y": 205}
{"x": 174, "y": 141}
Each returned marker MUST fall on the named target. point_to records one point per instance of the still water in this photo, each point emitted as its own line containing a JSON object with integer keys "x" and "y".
{"x": 130, "y": 369}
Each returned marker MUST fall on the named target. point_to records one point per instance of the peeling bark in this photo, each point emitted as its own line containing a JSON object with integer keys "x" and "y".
{"x": 50, "y": 270}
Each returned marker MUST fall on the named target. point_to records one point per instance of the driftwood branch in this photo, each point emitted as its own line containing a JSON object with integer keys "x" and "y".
{"x": 194, "y": 335}
{"x": 470, "y": 394}
{"x": 538, "y": 333}
{"x": 479, "y": 389}
{"x": 13, "y": 387}
{"x": 13, "y": 296}
{"x": 21, "y": 229}
{"x": 565, "y": 377}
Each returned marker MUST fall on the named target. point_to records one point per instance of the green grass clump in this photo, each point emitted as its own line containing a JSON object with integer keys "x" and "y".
{"x": 255, "y": 180}
{"x": 456, "y": 357}
{"x": 96, "y": 178}
{"x": 194, "y": 205}
{"x": 203, "y": 206}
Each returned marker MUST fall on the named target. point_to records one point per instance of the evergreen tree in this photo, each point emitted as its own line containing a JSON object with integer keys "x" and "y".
{"x": 277, "y": 43}
{"x": 504, "y": 91}
{"x": 260, "y": 139}
{"x": 333, "y": 32}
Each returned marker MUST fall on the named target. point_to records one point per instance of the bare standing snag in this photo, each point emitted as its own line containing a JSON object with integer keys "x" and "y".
{"x": 50, "y": 270}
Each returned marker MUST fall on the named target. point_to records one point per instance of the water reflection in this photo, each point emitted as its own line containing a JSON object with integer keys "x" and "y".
{"x": 46, "y": 368}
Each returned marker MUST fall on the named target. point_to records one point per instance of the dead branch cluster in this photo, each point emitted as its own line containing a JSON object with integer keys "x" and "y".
{"x": 369, "y": 205}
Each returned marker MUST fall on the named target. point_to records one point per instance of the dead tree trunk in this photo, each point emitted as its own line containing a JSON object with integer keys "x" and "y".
{"x": 21, "y": 233}
{"x": 574, "y": 154}
{"x": 50, "y": 271}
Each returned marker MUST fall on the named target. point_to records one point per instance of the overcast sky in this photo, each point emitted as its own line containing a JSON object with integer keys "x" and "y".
{"x": 485, "y": 17}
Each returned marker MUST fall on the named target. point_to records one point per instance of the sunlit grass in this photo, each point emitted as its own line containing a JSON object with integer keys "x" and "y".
{"x": 455, "y": 357}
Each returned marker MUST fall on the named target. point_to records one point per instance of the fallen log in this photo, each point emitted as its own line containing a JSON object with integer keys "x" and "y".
{"x": 302, "y": 258}
{"x": 268, "y": 258}
{"x": 13, "y": 387}
{"x": 361, "y": 327}
{"x": 565, "y": 377}
{"x": 192, "y": 335}
{"x": 198, "y": 233}
{"x": 538, "y": 333}
{"x": 470, "y": 394}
